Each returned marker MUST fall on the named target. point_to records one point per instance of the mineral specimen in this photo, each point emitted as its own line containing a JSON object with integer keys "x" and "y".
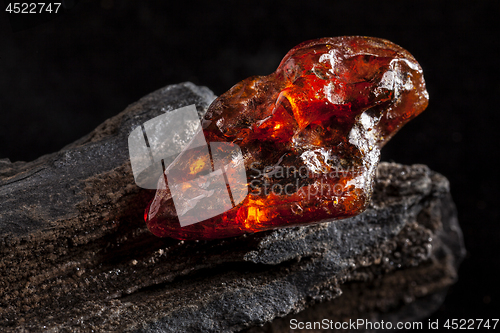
{"x": 82, "y": 252}
{"x": 310, "y": 136}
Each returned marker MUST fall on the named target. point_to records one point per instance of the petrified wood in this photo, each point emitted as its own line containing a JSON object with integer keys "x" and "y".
{"x": 76, "y": 253}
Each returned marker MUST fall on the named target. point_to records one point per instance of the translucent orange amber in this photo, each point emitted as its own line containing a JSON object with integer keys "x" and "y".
{"x": 310, "y": 135}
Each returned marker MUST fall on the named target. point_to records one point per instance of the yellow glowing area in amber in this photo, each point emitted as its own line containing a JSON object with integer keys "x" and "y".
{"x": 197, "y": 166}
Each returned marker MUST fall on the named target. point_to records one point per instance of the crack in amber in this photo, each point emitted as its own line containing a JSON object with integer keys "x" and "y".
{"x": 329, "y": 107}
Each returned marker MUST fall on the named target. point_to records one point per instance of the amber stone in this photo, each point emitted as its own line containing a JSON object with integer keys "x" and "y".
{"x": 310, "y": 135}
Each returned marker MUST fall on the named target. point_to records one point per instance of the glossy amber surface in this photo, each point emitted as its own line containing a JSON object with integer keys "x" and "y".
{"x": 310, "y": 135}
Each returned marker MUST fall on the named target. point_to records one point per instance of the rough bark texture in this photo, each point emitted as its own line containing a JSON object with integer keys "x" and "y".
{"x": 76, "y": 254}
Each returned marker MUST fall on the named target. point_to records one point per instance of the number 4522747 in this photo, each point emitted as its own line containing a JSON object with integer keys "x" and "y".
{"x": 32, "y": 8}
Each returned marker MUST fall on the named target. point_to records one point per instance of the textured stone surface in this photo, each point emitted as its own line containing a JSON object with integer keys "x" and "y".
{"x": 76, "y": 253}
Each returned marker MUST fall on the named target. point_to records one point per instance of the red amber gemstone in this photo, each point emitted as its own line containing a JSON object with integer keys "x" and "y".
{"x": 310, "y": 136}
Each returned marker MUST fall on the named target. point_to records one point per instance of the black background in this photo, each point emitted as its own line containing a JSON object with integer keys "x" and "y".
{"x": 62, "y": 78}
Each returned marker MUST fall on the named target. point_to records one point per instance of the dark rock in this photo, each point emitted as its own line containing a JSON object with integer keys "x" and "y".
{"x": 76, "y": 254}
